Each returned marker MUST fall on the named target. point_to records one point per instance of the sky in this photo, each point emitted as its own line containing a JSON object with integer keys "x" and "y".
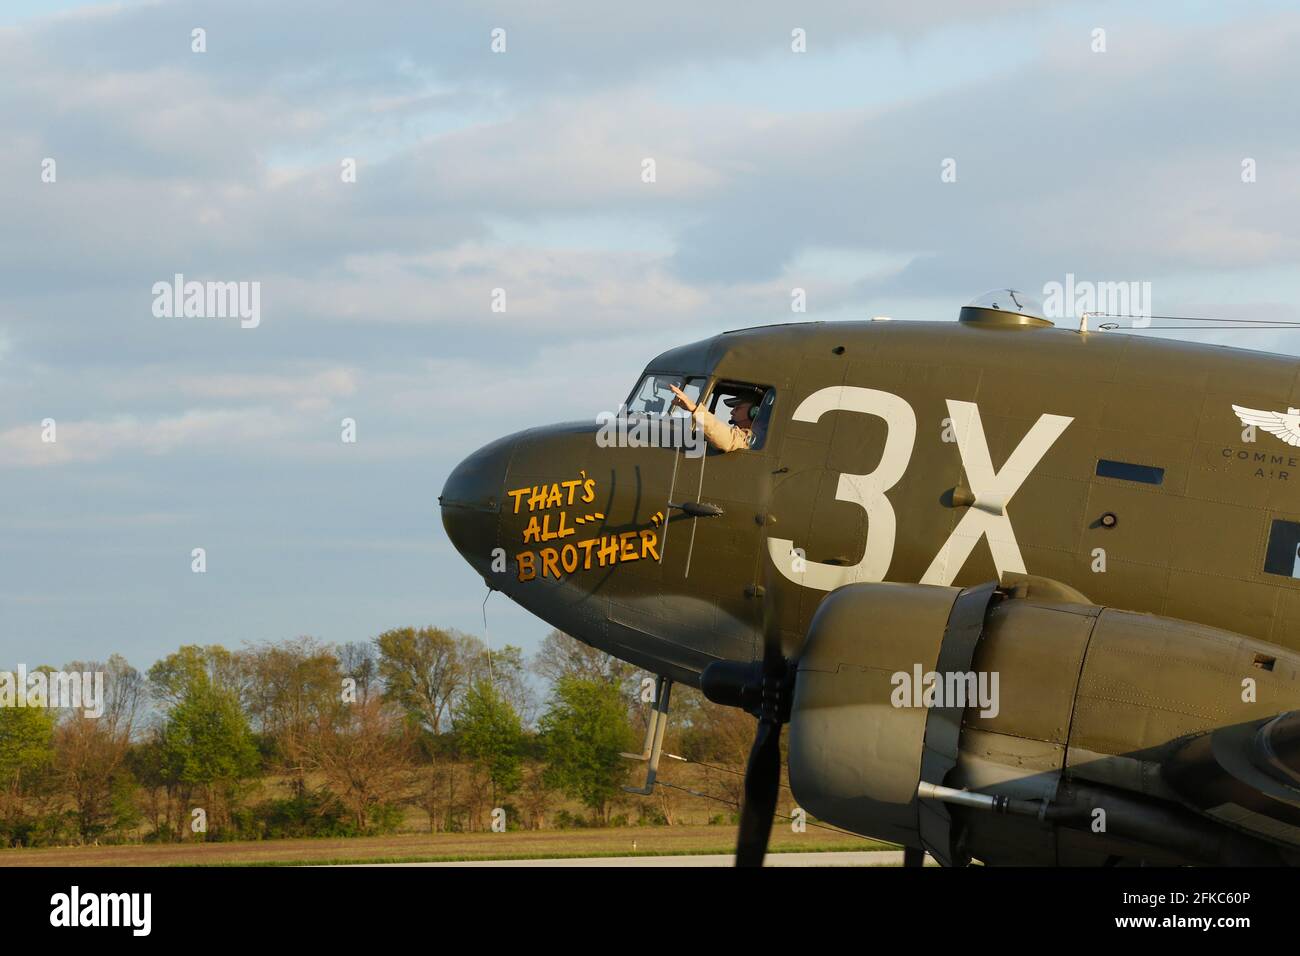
{"x": 1110, "y": 156}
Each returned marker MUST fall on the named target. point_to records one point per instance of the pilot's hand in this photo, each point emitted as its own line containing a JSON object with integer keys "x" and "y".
{"x": 682, "y": 399}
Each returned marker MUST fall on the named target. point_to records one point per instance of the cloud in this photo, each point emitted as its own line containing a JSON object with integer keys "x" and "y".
{"x": 96, "y": 440}
{"x": 324, "y": 383}
{"x": 316, "y": 46}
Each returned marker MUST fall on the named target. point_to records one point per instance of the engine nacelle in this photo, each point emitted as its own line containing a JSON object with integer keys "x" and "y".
{"x": 1034, "y": 696}
{"x": 855, "y": 758}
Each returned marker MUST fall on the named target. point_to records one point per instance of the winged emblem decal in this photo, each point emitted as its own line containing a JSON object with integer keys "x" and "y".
{"x": 1285, "y": 425}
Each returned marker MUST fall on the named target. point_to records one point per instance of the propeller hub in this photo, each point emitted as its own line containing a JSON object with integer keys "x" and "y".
{"x": 763, "y": 689}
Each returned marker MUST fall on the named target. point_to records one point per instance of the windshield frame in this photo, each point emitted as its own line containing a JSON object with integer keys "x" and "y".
{"x": 684, "y": 380}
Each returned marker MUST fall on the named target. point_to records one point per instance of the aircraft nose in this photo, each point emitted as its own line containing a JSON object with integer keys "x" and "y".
{"x": 471, "y": 502}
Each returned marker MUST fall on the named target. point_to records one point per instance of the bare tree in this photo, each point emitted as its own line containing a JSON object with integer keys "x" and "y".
{"x": 534, "y": 797}
{"x": 91, "y": 752}
{"x": 563, "y": 656}
{"x": 364, "y": 754}
{"x": 292, "y": 687}
{"x": 715, "y": 736}
{"x": 437, "y": 796}
{"x": 359, "y": 661}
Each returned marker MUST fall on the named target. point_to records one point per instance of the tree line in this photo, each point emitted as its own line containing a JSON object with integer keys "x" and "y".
{"x": 300, "y": 738}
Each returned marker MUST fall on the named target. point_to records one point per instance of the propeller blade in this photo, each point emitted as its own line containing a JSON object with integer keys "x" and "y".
{"x": 762, "y": 780}
{"x": 763, "y": 773}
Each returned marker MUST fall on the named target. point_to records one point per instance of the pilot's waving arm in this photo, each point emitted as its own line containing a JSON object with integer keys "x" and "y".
{"x": 725, "y": 437}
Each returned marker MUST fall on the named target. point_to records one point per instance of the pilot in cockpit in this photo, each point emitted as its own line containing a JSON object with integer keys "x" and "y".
{"x": 736, "y": 435}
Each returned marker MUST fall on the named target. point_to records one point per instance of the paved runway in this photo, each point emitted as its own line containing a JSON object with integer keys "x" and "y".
{"x": 864, "y": 858}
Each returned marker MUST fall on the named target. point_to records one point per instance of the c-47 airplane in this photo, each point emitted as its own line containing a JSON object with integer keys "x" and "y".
{"x": 1023, "y": 594}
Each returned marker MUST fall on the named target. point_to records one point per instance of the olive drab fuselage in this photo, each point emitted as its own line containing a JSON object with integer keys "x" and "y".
{"x": 944, "y": 453}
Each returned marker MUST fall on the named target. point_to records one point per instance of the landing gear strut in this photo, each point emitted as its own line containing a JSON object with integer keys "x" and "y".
{"x": 654, "y": 736}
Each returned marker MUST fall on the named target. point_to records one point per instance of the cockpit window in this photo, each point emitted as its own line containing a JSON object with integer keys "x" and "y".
{"x": 763, "y": 398}
{"x": 1283, "y": 555}
{"x": 653, "y": 396}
